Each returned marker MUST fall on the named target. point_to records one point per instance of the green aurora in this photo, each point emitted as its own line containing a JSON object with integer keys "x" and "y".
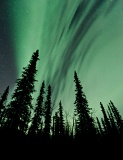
{"x": 81, "y": 35}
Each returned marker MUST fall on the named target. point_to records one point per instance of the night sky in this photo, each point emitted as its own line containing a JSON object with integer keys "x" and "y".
{"x": 81, "y": 35}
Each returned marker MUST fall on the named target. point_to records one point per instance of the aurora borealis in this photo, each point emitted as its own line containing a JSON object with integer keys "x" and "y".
{"x": 81, "y": 35}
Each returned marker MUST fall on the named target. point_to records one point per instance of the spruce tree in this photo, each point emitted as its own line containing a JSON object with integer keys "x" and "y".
{"x": 106, "y": 120}
{"x": 61, "y": 120}
{"x": 113, "y": 123}
{"x": 84, "y": 121}
{"x": 117, "y": 116}
{"x": 19, "y": 108}
{"x": 36, "y": 124}
{"x": 47, "y": 116}
{"x": 58, "y": 124}
{"x": 107, "y": 126}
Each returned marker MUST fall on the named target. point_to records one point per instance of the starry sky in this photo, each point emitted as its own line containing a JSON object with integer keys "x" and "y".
{"x": 81, "y": 35}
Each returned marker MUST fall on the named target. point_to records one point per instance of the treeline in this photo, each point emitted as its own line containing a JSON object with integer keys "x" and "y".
{"x": 25, "y": 124}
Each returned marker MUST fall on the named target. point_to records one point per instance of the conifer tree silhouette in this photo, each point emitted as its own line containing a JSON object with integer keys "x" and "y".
{"x": 15, "y": 117}
{"x": 47, "y": 115}
{"x": 59, "y": 124}
{"x": 100, "y": 127}
{"x": 19, "y": 108}
{"x": 107, "y": 136}
{"x": 36, "y": 125}
{"x": 85, "y": 127}
{"x": 106, "y": 120}
{"x": 113, "y": 123}
{"x": 61, "y": 120}
{"x": 117, "y": 116}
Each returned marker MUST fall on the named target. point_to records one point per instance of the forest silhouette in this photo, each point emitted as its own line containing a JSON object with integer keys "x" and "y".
{"x": 24, "y": 125}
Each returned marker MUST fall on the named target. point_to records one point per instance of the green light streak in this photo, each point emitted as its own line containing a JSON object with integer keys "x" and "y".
{"x": 39, "y": 25}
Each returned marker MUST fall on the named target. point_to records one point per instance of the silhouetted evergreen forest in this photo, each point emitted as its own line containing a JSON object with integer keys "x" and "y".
{"x": 24, "y": 125}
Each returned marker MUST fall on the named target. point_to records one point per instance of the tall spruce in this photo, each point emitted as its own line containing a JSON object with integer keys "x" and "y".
{"x": 106, "y": 120}
{"x": 117, "y": 116}
{"x": 61, "y": 120}
{"x": 84, "y": 121}
{"x": 113, "y": 123}
{"x": 19, "y": 108}
{"x": 47, "y": 115}
{"x": 36, "y": 125}
{"x": 108, "y": 136}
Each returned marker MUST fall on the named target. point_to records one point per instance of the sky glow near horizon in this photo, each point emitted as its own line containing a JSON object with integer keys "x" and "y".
{"x": 81, "y": 35}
